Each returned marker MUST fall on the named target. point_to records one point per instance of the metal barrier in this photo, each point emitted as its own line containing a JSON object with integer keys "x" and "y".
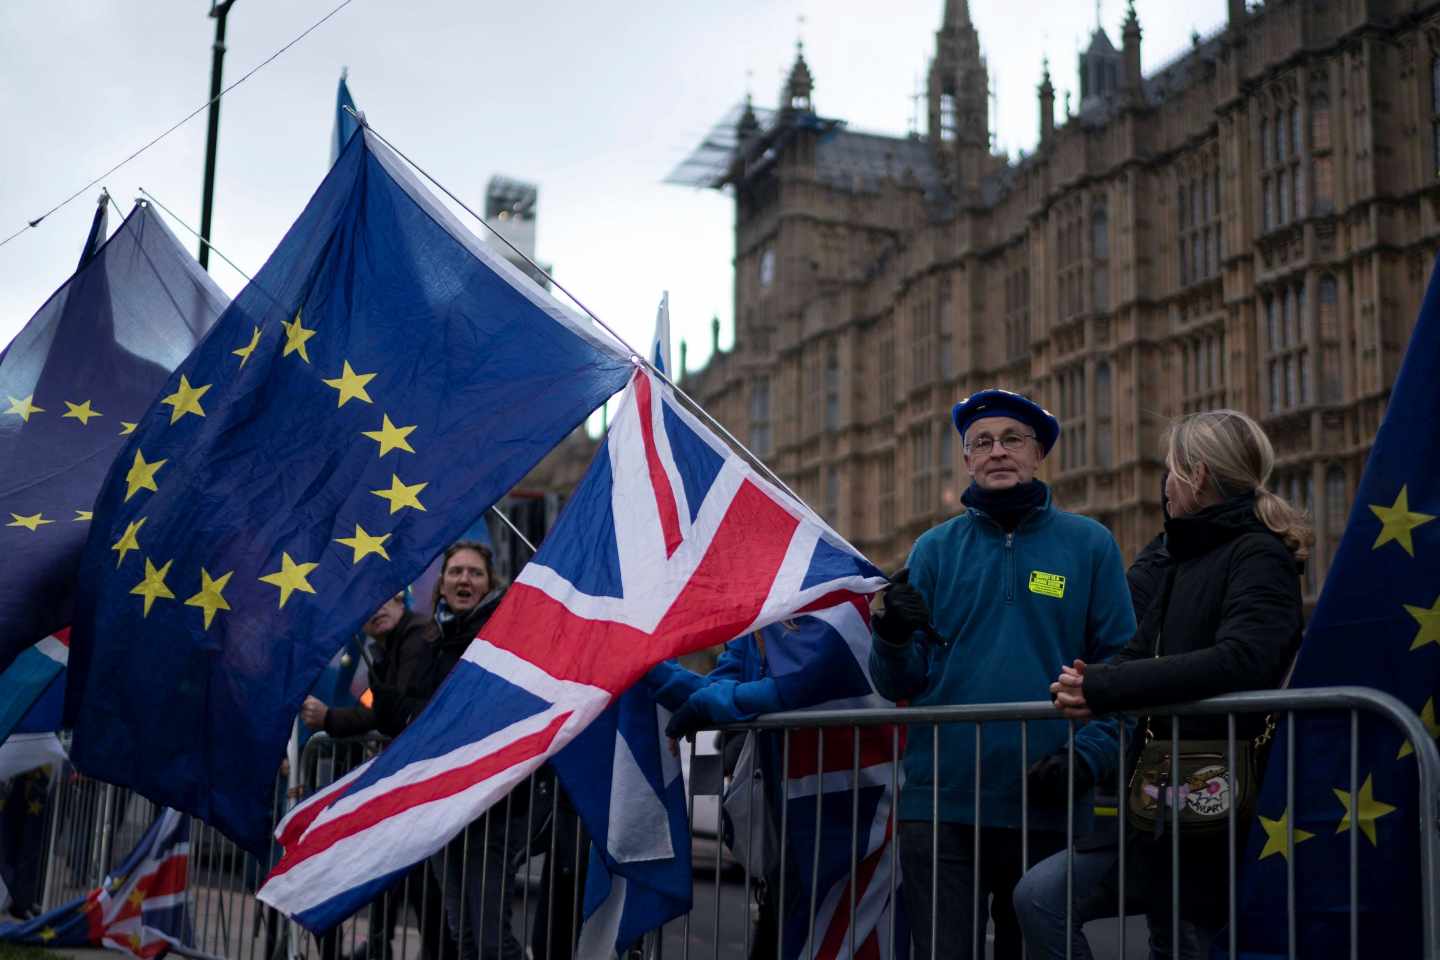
{"x": 92, "y": 825}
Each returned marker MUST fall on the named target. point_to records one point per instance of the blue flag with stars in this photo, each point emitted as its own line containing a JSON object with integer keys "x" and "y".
{"x": 73, "y": 382}
{"x": 1377, "y": 624}
{"x": 382, "y": 381}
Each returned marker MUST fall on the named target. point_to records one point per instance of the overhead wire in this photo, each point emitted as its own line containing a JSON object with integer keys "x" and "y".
{"x": 180, "y": 123}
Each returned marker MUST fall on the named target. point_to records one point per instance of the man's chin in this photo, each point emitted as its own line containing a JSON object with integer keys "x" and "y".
{"x": 1003, "y": 481}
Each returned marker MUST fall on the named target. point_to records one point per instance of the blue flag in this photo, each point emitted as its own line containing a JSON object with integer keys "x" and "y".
{"x": 1377, "y": 624}
{"x": 384, "y": 379}
{"x": 73, "y": 382}
{"x": 345, "y": 122}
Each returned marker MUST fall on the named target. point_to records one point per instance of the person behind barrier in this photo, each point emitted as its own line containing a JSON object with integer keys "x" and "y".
{"x": 477, "y": 868}
{"x": 1228, "y": 618}
{"x": 992, "y": 603}
{"x": 402, "y": 642}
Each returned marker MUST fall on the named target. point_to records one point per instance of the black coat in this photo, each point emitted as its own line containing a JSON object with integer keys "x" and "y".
{"x": 400, "y": 657}
{"x": 1232, "y": 621}
{"x": 1226, "y": 617}
{"x": 397, "y": 704}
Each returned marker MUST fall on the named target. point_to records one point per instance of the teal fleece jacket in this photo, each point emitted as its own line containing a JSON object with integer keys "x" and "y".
{"x": 1012, "y": 609}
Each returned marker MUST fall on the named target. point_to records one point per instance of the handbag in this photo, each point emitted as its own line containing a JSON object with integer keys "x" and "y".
{"x": 1209, "y": 786}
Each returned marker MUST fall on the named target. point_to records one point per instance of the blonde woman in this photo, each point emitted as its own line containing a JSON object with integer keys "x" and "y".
{"x": 1226, "y": 618}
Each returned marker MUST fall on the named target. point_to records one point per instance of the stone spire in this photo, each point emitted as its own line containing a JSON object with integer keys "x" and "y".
{"x": 1047, "y": 102}
{"x": 1130, "y": 34}
{"x": 800, "y": 85}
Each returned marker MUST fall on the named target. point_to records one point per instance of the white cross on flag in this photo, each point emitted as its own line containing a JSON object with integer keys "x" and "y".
{"x": 671, "y": 543}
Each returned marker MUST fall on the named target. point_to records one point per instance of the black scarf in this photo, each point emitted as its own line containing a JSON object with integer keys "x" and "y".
{"x": 1006, "y": 507}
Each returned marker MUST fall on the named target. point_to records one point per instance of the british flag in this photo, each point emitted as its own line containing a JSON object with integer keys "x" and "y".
{"x": 671, "y": 543}
{"x": 839, "y": 796}
{"x": 142, "y": 908}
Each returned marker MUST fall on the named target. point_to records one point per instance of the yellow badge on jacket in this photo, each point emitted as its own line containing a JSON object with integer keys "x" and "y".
{"x": 1047, "y": 584}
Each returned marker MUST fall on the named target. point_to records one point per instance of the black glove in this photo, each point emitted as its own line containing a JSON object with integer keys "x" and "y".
{"x": 905, "y": 611}
{"x": 1047, "y": 779}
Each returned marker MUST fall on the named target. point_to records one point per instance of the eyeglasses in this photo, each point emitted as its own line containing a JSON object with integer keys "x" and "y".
{"x": 1011, "y": 442}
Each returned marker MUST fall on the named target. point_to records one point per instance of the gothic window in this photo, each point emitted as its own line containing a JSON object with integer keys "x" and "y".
{"x": 1336, "y": 505}
{"x": 922, "y": 470}
{"x": 1327, "y": 308}
{"x": 1202, "y": 364}
{"x": 1073, "y": 433}
{"x": 1017, "y": 313}
{"x": 1288, "y": 341}
{"x": 944, "y": 362}
{"x": 1282, "y": 184}
{"x": 922, "y": 343}
{"x": 1104, "y": 417}
{"x": 886, "y": 372}
{"x": 1100, "y": 253}
{"x": 831, "y": 499}
{"x": 949, "y": 117}
{"x": 832, "y": 386}
{"x": 885, "y": 486}
{"x": 760, "y": 416}
{"x": 1322, "y": 170}
{"x": 767, "y": 267}
{"x": 1200, "y": 222}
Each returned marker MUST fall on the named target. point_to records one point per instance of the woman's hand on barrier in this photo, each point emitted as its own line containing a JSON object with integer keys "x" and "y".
{"x": 1068, "y": 692}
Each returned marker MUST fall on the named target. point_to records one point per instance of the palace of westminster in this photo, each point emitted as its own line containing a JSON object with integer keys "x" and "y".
{"x": 1251, "y": 226}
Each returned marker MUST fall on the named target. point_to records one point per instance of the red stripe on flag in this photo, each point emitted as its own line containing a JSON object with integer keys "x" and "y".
{"x": 807, "y": 757}
{"x": 293, "y": 827}
{"x": 664, "y": 496}
{"x": 835, "y": 934}
{"x": 721, "y": 599}
{"x": 402, "y": 798}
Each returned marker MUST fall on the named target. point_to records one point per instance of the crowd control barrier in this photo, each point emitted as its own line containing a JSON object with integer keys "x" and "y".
{"x": 90, "y": 826}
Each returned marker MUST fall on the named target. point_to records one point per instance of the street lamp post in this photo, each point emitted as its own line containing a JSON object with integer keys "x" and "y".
{"x": 219, "y": 9}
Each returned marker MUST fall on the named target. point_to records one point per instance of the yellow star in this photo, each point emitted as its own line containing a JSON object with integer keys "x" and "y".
{"x": 1370, "y": 809}
{"x": 135, "y": 943}
{"x": 35, "y": 808}
{"x": 391, "y": 437}
{"x": 137, "y": 897}
{"x": 126, "y": 428}
{"x": 351, "y": 385}
{"x": 48, "y": 934}
{"x": 23, "y": 408}
{"x": 1396, "y": 522}
{"x": 1429, "y": 620}
{"x": 33, "y": 522}
{"x": 141, "y": 475}
{"x": 153, "y": 586}
{"x": 1427, "y": 717}
{"x": 401, "y": 496}
{"x": 186, "y": 399}
{"x": 211, "y": 596}
{"x": 290, "y": 577}
{"x": 244, "y": 352}
{"x": 82, "y": 515}
{"x": 80, "y": 411}
{"x": 365, "y": 544}
{"x": 295, "y": 337}
{"x": 1275, "y": 841}
{"x": 128, "y": 541}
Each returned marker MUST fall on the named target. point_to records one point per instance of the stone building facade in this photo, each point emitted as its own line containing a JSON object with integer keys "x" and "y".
{"x": 1251, "y": 226}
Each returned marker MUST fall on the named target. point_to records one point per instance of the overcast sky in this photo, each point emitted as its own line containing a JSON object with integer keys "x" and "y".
{"x": 594, "y": 101}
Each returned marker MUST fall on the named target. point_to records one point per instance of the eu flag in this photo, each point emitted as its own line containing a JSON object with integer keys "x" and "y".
{"x": 382, "y": 381}
{"x": 73, "y": 382}
{"x": 1377, "y": 624}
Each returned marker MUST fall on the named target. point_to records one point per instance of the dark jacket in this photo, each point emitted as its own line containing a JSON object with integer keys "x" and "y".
{"x": 398, "y": 704}
{"x": 400, "y": 656}
{"x": 1232, "y": 621}
{"x": 1226, "y": 618}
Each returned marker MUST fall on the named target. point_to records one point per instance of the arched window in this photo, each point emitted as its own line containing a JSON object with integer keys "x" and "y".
{"x": 1104, "y": 420}
{"x": 1335, "y": 502}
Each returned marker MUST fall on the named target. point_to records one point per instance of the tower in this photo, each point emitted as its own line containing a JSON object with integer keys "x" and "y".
{"x": 959, "y": 95}
{"x": 1130, "y": 37}
{"x": 1046, "y": 91}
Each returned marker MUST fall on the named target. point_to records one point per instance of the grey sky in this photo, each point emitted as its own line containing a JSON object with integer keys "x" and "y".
{"x": 594, "y": 101}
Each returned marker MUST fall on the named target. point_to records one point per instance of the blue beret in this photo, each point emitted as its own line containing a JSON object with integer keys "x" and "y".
{"x": 1004, "y": 403}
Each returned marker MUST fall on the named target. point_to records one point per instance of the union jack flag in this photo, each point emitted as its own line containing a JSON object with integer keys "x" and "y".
{"x": 140, "y": 909}
{"x": 671, "y": 543}
{"x": 839, "y": 798}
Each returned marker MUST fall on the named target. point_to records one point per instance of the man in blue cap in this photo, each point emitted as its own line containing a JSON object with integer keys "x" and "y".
{"x": 991, "y": 604}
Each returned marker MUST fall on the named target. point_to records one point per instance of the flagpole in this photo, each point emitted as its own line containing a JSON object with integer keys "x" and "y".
{"x": 220, "y": 10}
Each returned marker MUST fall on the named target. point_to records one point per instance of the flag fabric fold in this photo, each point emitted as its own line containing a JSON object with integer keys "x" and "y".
{"x": 73, "y": 382}
{"x": 141, "y": 908}
{"x": 670, "y": 543}
{"x": 381, "y": 382}
{"x": 32, "y": 690}
{"x": 1376, "y": 621}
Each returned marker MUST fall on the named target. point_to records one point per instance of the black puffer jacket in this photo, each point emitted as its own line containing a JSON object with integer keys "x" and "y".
{"x": 1232, "y": 621}
{"x": 401, "y": 656}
